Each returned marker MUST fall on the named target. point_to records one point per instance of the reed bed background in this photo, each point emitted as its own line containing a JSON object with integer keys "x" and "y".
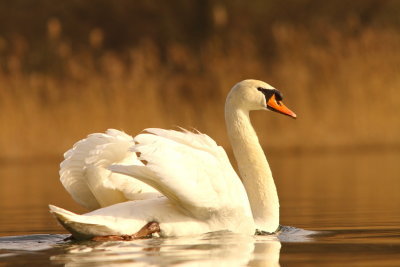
{"x": 343, "y": 82}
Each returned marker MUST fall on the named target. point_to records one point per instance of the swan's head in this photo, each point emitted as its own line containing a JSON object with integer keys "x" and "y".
{"x": 258, "y": 95}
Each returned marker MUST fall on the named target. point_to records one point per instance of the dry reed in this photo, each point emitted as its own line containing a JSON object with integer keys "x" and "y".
{"x": 344, "y": 89}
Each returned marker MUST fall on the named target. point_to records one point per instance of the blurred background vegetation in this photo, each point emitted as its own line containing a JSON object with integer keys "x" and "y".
{"x": 70, "y": 68}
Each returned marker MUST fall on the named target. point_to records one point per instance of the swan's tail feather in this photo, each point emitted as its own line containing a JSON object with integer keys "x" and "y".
{"x": 81, "y": 227}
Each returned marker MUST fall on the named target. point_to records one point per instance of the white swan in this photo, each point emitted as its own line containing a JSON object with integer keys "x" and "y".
{"x": 200, "y": 191}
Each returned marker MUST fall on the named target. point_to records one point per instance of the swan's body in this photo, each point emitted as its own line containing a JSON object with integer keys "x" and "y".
{"x": 200, "y": 191}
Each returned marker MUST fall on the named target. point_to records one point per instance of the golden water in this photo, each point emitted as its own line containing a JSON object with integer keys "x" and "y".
{"x": 349, "y": 199}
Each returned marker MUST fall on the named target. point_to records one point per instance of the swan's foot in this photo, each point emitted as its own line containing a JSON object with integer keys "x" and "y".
{"x": 147, "y": 230}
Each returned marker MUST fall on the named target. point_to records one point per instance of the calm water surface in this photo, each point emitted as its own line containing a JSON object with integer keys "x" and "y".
{"x": 344, "y": 208}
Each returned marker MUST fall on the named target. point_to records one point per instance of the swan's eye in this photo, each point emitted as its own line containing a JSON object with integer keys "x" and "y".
{"x": 268, "y": 93}
{"x": 278, "y": 96}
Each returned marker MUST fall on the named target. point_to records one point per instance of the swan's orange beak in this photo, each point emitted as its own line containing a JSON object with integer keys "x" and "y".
{"x": 279, "y": 107}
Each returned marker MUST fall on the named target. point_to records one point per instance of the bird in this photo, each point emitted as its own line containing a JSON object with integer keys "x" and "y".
{"x": 175, "y": 182}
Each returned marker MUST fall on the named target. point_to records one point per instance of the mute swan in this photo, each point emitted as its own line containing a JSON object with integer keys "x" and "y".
{"x": 183, "y": 182}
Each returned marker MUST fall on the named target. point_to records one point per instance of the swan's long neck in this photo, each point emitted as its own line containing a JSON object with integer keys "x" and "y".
{"x": 253, "y": 167}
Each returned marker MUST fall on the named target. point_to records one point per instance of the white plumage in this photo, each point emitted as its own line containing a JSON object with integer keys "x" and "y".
{"x": 180, "y": 179}
{"x": 85, "y": 175}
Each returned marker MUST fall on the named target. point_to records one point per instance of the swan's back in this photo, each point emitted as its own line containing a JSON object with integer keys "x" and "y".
{"x": 85, "y": 176}
{"x": 190, "y": 169}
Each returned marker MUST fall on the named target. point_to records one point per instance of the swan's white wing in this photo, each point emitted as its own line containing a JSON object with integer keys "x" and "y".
{"x": 85, "y": 176}
{"x": 190, "y": 169}
{"x": 196, "y": 140}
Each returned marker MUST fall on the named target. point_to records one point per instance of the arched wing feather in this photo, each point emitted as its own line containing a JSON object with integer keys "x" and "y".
{"x": 85, "y": 176}
{"x": 189, "y": 168}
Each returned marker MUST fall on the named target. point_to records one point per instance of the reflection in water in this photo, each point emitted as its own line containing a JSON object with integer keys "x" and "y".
{"x": 213, "y": 249}
{"x": 364, "y": 246}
